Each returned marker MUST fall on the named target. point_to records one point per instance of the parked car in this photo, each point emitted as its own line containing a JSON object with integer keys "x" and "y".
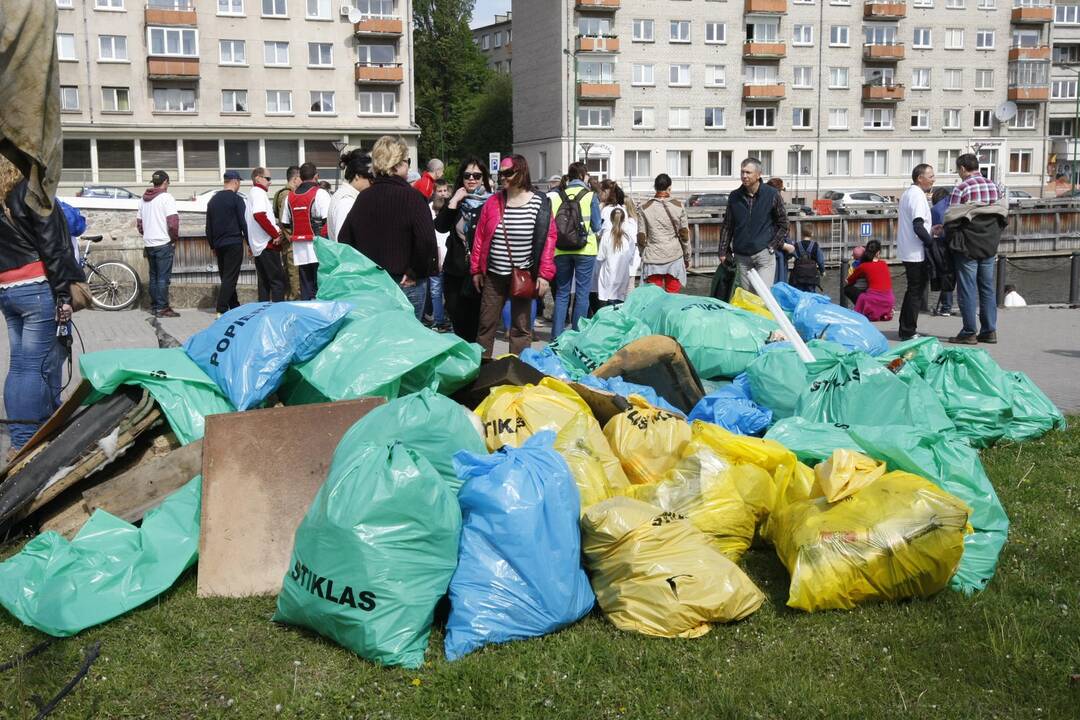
{"x": 708, "y": 200}
{"x": 1018, "y": 197}
{"x": 846, "y": 202}
{"x": 110, "y": 192}
{"x": 202, "y": 199}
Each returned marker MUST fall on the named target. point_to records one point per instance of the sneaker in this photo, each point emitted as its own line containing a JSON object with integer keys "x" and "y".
{"x": 963, "y": 340}
{"x": 167, "y": 313}
{"x": 989, "y": 338}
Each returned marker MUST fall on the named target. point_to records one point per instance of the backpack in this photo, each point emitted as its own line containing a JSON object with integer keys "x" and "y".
{"x": 569, "y": 224}
{"x": 805, "y": 271}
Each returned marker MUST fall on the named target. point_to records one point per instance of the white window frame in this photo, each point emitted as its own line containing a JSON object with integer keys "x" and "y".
{"x": 711, "y": 113}
{"x": 676, "y": 115}
{"x": 836, "y": 116}
{"x": 112, "y": 43}
{"x": 113, "y": 92}
{"x": 371, "y": 96}
{"x": 920, "y": 119}
{"x": 683, "y": 80}
{"x": 1026, "y": 118}
{"x": 599, "y": 112}
{"x": 720, "y": 157}
{"x": 711, "y": 28}
{"x": 166, "y": 31}
{"x": 984, "y": 73}
{"x": 322, "y": 95}
{"x": 833, "y": 161}
{"x": 847, "y": 77}
{"x": 715, "y": 76}
{"x": 648, "y": 117}
{"x": 679, "y": 37}
{"x": 182, "y": 110}
{"x": 987, "y": 4}
{"x": 955, "y": 4}
{"x": 804, "y": 156}
{"x": 328, "y": 5}
{"x": 230, "y": 12}
{"x": 680, "y": 154}
{"x": 922, "y": 3}
{"x": 807, "y": 31}
{"x": 1063, "y": 89}
{"x": 284, "y": 4}
{"x": 279, "y": 94}
{"x": 922, "y": 38}
{"x": 276, "y": 44}
{"x": 647, "y": 72}
{"x": 879, "y": 118}
{"x": 765, "y": 112}
{"x": 916, "y": 80}
{"x": 321, "y": 65}
{"x": 109, "y": 5}
{"x": 982, "y": 119}
{"x": 911, "y": 157}
{"x": 951, "y": 35}
{"x": 1066, "y": 14}
{"x": 806, "y": 114}
{"x": 1021, "y": 154}
{"x": 870, "y": 163}
{"x": 643, "y": 24}
{"x": 949, "y": 72}
{"x": 66, "y": 93}
{"x": 950, "y": 118}
{"x": 807, "y": 81}
{"x": 982, "y": 35}
{"x": 64, "y": 4}
{"x": 237, "y": 93}
{"x": 59, "y": 48}
{"x": 640, "y": 157}
{"x": 837, "y": 41}
{"x": 232, "y": 52}
{"x": 381, "y": 12}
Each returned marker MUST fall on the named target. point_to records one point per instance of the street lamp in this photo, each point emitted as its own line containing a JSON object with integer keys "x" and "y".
{"x": 797, "y": 149}
{"x": 442, "y": 138}
{"x": 586, "y": 146}
{"x": 339, "y": 146}
{"x": 573, "y": 56}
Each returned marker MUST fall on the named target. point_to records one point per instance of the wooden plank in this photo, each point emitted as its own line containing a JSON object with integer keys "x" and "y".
{"x": 54, "y": 424}
{"x": 129, "y": 495}
{"x": 261, "y": 470}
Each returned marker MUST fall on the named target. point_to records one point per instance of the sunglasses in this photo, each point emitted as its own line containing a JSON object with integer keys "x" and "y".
{"x": 267, "y": 177}
{"x": 509, "y": 173}
{"x": 472, "y": 176}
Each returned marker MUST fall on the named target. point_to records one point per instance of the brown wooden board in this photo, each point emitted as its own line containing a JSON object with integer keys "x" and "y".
{"x": 53, "y": 425}
{"x": 261, "y": 470}
{"x": 661, "y": 363}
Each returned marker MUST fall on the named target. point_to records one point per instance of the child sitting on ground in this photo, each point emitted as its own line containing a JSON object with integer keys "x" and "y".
{"x": 877, "y": 301}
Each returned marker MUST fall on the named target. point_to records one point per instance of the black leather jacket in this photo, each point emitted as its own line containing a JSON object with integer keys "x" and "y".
{"x": 26, "y": 237}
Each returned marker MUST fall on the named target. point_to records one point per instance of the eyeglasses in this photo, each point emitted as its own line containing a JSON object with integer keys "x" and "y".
{"x": 508, "y": 173}
{"x": 472, "y": 176}
{"x": 267, "y": 177}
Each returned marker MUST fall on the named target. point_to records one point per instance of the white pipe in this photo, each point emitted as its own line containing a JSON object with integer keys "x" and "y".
{"x": 765, "y": 294}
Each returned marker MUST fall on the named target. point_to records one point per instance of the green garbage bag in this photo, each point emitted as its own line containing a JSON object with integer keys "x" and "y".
{"x": 382, "y": 353}
{"x": 347, "y": 274}
{"x": 855, "y": 389}
{"x": 183, "y": 391}
{"x": 778, "y": 375}
{"x": 596, "y": 340}
{"x": 109, "y": 568}
{"x": 915, "y": 355}
{"x": 374, "y": 553}
{"x": 1033, "y": 414}
{"x": 948, "y": 462}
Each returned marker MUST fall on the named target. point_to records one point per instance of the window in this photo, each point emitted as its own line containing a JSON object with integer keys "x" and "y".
{"x": 1026, "y": 38}
{"x": 920, "y": 119}
{"x": 1066, "y": 14}
{"x": 322, "y": 102}
{"x": 761, "y": 118}
{"x": 320, "y": 55}
{"x": 1020, "y": 161}
{"x": 486, "y": 43}
{"x": 923, "y": 38}
{"x": 679, "y": 31}
{"x": 720, "y": 163}
{"x": 594, "y": 117}
{"x": 715, "y": 76}
{"x": 643, "y": 74}
{"x": 875, "y": 162}
{"x": 800, "y": 118}
{"x": 232, "y": 52}
{"x": 1027, "y": 74}
{"x": 947, "y": 161}
{"x": 318, "y": 10}
{"x": 838, "y": 36}
{"x": 375, "y": 8}
{"x": 276, "y": 53}
{"x": 954, "y": 38}
{"x": 174, "y": 100}
{"x": 643, "y": 31}
{"x": 984, "y": 79}
{"x": 879, "y": 76}
{"x": 923, "y": 3}
{"x": 1025, "y": 119}
{"x": 63, "y": 3}
{"x": 593, "y": 72}
{"x": 587, "y": 26}
{"x": 274, "y": 8}
{"x": 1063, "y": 89}
{"x": 954, "y": 78}
{"x": 1061, "y": 127}
{"x": 278, "y": 102}
{"x": 878, "y": 118}
{"x": 764, "y": 157}
{"x": 838, "y": 119}
{"x": 920, "y": 78}
{"x": 65, "y": 46}
{"x": 644, "y": 117}
{"x": 838, "y": 77}
{"x": 1066, "y": 53}
{"x": 173, "y": 42}
{"x": 763, "y": 31}
{"x": 987, "y": 4}
{"x": 802, "y": 35}
{"x": 879, "y": 34}
{"x": 955, "y": 4}
{"x": 678, "y": 163}
{"x": 911, "y": 158}
{"x": 678, "y": 118}
{"x": 799, "y": 163}
{"x": 679, "y": 75}
{"x": 112, "y": 48}
{"x": 637, "y": 163}
{"x": 234, "y": 101}
{"x": 950, "y": 119}
{"x": 69, "y": 97}
{"x": 837, "y": 162}
{"x": 377, "y": 55}
{"x": 378, "y": 103}
{"x": 715, "y": 32}
{"x": 108, "y": 4}
{"x": 981, "y": 120}
{"x": 230, "y": 7}
{"x": 115, "y": 99}
{"x": 984, "y": 40}
{"x": 714, "y": 118}
{"x": 803, "y": 76}
{"x": 760, "y": 75}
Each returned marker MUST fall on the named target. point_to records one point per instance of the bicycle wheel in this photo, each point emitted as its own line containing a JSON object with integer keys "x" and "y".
{"x": 113, "y": 285}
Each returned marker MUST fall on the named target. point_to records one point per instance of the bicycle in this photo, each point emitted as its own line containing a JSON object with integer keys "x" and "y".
{"x": 114, "y": 285}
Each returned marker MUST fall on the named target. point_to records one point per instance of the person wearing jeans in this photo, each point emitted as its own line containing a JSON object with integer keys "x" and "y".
{"x": 32, "y": 386}
{"x": 158, "y": 221}
{"x": 977, "y": 296}
{"x": 755, "y": 226}
{"x": 417, "y": 294}
{"x": 160, "y": 260}
{"x": 574, "y": 268}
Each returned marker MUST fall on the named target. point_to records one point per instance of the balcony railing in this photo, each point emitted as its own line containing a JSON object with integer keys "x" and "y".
{"x": 882, "y": 92}
{"x": 380, "y": 73}
{"x": 884, "y": 10}
{"x": 883, "y": 53}
{"x": 765, "y": 7}
{"x": 764, "y": 50}
{"x": 172, "y": 68}
{"x": 1029, "y": 93}
{"x": 1039, "y": 52}
{"x": 598, "y": 90}
{"x": 597, "y": 5}
{"x": 379, "y": 26}
{"x": 171, "y": 12}
{"x": 763, "y": 91}
{"x": 598, "y": 43}
{"x": 1032, "y": 13}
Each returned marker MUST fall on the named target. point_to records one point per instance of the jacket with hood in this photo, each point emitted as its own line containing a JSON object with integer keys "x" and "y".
{"x": 974, "y": 228}
{"x": 27, "y": 238}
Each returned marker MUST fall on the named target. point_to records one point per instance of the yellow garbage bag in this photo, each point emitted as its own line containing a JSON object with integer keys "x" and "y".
{"x": 844, "y": 474}
{"x": 648, "y": 440}
{"x": 655, "y": 573}
{"x": 899, "y": 537}
{"x": 749, "y": 301}
{"x": 595, "y": 469}
{"x": 722, "y": 498}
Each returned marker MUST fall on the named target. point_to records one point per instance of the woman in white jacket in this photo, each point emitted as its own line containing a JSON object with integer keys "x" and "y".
{"x": 615, "y": 255}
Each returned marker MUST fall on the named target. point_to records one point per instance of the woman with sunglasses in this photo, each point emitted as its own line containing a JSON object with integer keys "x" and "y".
{"x": 459, "y": 218}
{"x": 516, "y": 230}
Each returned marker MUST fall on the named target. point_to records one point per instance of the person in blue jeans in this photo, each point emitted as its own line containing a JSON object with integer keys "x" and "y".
{"x": 977, "y": 295}
{"x": 574, "y": 268}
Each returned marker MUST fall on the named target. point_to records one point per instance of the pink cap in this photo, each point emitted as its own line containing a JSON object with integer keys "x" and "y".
{"x": 857, "y": 252}
{"x": 507, "y": 163}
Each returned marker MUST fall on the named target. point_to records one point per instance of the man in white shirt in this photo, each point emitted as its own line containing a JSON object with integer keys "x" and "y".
{"x": 264, "y": 238}
{"x": 158, "y": 222}
{"x": 358, "y": 178}
{"x": 912, "y": 231}
{"x": 305, "y": 210}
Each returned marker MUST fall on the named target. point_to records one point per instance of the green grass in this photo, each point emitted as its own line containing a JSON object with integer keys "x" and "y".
{"x": 1006, "y": 653}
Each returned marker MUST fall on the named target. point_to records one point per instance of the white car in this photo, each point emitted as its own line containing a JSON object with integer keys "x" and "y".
{"x": 846, "y": 202}
{"x": 201, "y": 200}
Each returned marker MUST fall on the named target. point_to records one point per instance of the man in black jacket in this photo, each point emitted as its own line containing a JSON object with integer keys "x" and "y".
{"x": 226, "y": 231}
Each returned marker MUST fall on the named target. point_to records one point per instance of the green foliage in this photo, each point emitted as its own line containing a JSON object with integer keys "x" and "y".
{"x": 491, "y": 125}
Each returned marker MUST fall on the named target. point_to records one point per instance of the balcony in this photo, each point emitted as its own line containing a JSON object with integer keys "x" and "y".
{"x": 884, "y": 10}
{"x": 379, "y": 27}
{"x": 764, "y": 50}
{"x": 598, "y": 91}
{"x": 763, "y": 92}
{"x": 882, "y": 92}
{"x": 597, "y": 44}
{"x": 1029, "y": 93}
{"x": 765, "y": 7}
{"x": 172, "y": 68}
{"x": 171, "y": 12}
{"x": 884, "y": 53}
{"x": 379, "y": 74}
{"x": 597, "y": 5}
{"x": 1039, "y": 15}
{"x": 1040, "y": 52}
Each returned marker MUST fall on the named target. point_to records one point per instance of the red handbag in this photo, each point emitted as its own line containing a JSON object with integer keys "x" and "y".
{"x": 522, "y": 282}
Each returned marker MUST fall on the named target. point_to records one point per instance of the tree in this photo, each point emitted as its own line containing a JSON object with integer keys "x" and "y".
{"x": 449, "y": 72}
{"x": 490, "y": 127}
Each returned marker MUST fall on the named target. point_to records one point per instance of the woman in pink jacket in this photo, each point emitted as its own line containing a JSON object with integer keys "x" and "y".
{"x": 516, "y": 230}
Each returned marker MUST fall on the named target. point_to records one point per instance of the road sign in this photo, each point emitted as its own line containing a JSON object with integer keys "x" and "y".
{"x": 865, "y": 229}
{"x": 493, "y": 162}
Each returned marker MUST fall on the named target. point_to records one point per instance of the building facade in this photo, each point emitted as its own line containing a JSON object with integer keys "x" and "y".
{"x": 198, "y": 86}
{"x": 1063, "y": 110}
{"x": 494, "y": 41}
{"x": 829, "y": 94}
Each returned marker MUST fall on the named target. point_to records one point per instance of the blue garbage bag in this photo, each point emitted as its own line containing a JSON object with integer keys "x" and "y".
{"x": 247, "y": 351}
{"x": 816, "y": 316}
{"x": 519, "y": 571}
{"x": 732, "y": 410}
{"x": 625, "y": 389}
{"x": 75, "y": 221}
{"x": 546, "y": 361}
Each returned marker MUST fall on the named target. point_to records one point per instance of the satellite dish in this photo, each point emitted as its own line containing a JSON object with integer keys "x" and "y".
{"x": 1006, "y": 111}
{"x": 355, "y": 15}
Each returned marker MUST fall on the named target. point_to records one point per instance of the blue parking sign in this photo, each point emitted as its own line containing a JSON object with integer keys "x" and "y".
{"x": 865, "y": 229}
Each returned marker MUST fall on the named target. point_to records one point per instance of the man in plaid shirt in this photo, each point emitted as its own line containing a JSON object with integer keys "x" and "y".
{"x": 973, "y": 187}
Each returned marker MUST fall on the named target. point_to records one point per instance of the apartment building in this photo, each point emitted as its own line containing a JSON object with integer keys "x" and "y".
{"x": 1063, "y": 122}
{"x": 198, "y": 86}
{"x": 828, "y": 94}
{"x": 494, "y": 42}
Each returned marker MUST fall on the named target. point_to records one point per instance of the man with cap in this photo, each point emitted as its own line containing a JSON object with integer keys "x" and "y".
{"x": 158, "y": 222}
{"x": 264, "y": 237}
{"x": 226, "y": 231}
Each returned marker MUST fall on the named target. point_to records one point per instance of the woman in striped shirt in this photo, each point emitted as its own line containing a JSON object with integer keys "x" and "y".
{"x": 516, "y": 230}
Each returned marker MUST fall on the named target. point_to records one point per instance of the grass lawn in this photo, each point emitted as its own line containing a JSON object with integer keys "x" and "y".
{"x": 1009, "y": 652}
